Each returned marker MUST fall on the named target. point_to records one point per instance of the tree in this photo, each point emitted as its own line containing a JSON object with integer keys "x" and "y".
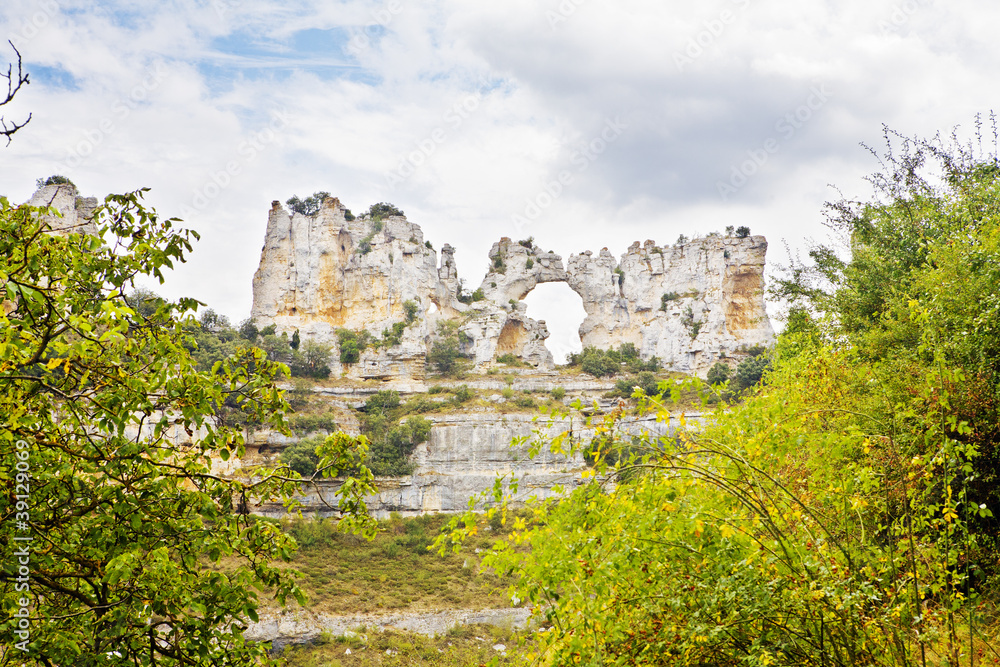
{"x": 14, "y": 83}
{"x": 718, "y": 373}
{"x": 308, "y": 206}
{"x": 742, "y": 232}
{"x": 383, "y": 210}
{"x": 842, "y": 513}
{"x": 140, "y": 554}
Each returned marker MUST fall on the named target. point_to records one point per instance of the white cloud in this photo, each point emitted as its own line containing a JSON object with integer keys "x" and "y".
{"x": 557, "y": 71}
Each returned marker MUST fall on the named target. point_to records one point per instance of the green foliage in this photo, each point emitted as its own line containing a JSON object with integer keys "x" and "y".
{"x": 528, "y": 243}
{"x": 410, "y": 310}
{"x": 301, "y": 456}
{"x": 352, "y": 344}
{"x": 559, "y": 393}
{"x": 718, "y": 373}
{"x": 681, "y": 240}
{"x": 463, "y": 394}
{"x": 296, "y": 340}
{"x": 248, "y": 330}
{"x": 742, "y": 232}
{"x": 129, "y": 529}
{"x": 646, "y": 381}
{"x": 692, "y": 325}
{"x": 312, "y": 360}
{"x": 304, "y": 424}
{"x": 53, "y": 180}
{"x": 529, "y": 263}
{"x": 445, "y": 351}
{"x": 509, "y": 360}
{"x": 603, "y": 363}
{"x": 667, "y": 298}
{"x": 383, "y": 210}
{"x": 844, "y": 511}
{"x": 308, "y": 206}
{"x": 476, "y": 295}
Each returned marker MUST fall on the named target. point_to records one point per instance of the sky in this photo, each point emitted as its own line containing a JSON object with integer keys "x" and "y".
{"x": 582, "y": 123}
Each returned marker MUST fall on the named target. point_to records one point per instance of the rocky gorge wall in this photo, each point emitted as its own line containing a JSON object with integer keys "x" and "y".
{"x": 688, "y": 304}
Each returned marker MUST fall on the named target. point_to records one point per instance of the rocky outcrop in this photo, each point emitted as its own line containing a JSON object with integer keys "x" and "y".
{"x": 75, "y": 212}
{"x": 322, "y": 273}
{"x": 688, "y": 304}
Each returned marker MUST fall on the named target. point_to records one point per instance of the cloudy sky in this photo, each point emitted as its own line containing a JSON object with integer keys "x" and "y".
{"x": 583, "y": 123}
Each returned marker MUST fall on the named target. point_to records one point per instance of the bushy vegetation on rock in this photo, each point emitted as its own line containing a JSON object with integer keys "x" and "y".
{"x": 604, "y": 363}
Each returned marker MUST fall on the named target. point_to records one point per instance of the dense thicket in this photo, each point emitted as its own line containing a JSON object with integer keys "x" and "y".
{"x": 844, "y": 512}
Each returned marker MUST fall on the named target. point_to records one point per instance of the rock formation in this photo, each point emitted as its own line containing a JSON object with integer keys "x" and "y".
{"x": 688, "y": 304}
{"x": 75, "y": 212}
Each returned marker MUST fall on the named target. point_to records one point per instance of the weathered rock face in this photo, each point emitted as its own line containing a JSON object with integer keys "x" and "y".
{"x": 687, "y": 304}
{"x": 463, "y": 457}
{"x": 75, "y": 211}
{"x": 321, "y": 273}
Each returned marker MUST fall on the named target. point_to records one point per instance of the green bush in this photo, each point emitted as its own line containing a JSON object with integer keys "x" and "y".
{"x": 646, "y": 380}
{"x": 602, "y": 363}
{"x": 463, "y": 394}
{"x": 301, "y": 456}
{"x": 667, "y": 298}
{"x": 718, "y": 373}
{"x": 742, "y": 232}
{"x": 530, "y": 263}
{"x": 750, "y": 371}
{"x": 507, "y": 393}
{"x": 54, "y": 180}
{"x": 306, "y": 424}
{"x": 559, "y": 393}
{"x": 410, "y": 309}
{"x": 381, "y": 401}
{"x": 383, "y": 210}
{"x": 308, "y": 206}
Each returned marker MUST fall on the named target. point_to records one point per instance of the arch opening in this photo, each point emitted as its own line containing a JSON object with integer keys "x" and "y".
{"x": 562, "y": 310}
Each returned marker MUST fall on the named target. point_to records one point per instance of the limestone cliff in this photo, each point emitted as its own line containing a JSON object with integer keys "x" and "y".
{"x": 75, "y": 212}
{"x": 686, "y": 304}
{"x": 323, "y": 272}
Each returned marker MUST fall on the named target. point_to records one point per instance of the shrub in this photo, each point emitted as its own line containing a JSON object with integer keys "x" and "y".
{"x": 646, "y": 380}
{"x": 383, "y": 210}
{"x": 352, "y": 344}
{"x": 681, "y": 240}
{"x": 530, "y": 263}
{"x": 527, "y": 243}
{"x": 296, "y": 340}
{"x": 269, "y": 330}
{"x": 667, "y": 298}
{"x": 312, "y": 361}
{"x": 54, "y": 180}
{"x": 444, "y": 356}
{"x": 507, "y": 393}
{"x": 718, "y": 373}
{"x": 437, "y": 389}
{"x": 301, "y": 456}
{"x": 306, "y": 424}
{"x": 309, "y": 205}
{"x": 742, "y": 232}
{"x": 692, "y": 325}
{"x": 751, "y": 371}
{"x": 382, "y": 401}
{"x": 508, "y": 359}
{"x": 463, "y": 394}
{"x": 524, "y": 402}
{"x": 428, "y": 245}
{"x": 410, "y": 309}
{"x": 559, "y": 393}
{"x": 248, "y": 330}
